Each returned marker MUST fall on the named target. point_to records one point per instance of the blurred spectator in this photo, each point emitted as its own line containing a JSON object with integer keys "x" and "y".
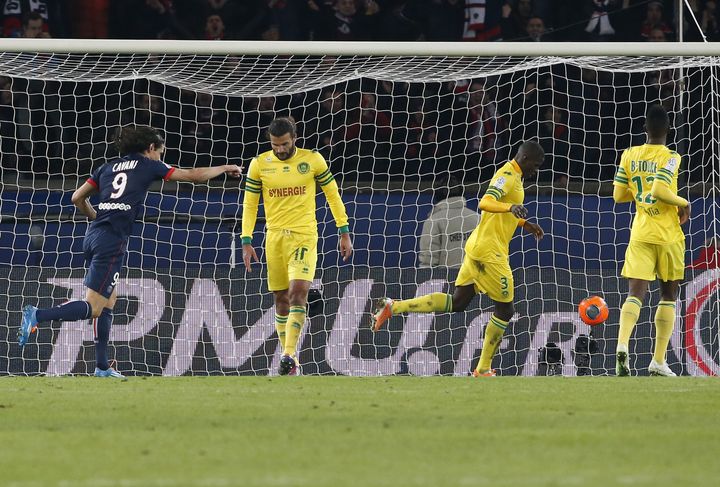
{"x": 375, "y": 135}
{"x": 521, "y": 107}
{"x": 148, "y": 111}
{"x": 515, "y": 17}
{"x": 554, "y": 135}
{"x": 214, "y": 28}
{"x": 206, "y": 125}
{"x": 290, "y": 18}
{"x": 483, "y": 20}
{"x": 33, "y": 26}
{"x": 443, "y": 20}
{"x": 709, "y": 257}
{"x": 338, "y": 124}
{"x": 535, "y": 29}
{"x": 347, "y": 21}
{"x": 146, "y": 19}
{"x": 703, "y": 11}
{"x": 399, "y": 21}
{"x": 448, "y": 226}
{"x": 709, "y": 22}
{"x": 89, "y": 19}
{"x": 544, "y": 9}
{"x": 568, "y": 19}
{"x": 656, "y": 35}
{"x": 253, "y": 117}
{"x": 243, "y": 19}
{"x": 272, "y": 33}
{"x": 654, "y": 20}
{"x": 224, "y": 8}
{"x": 421, "y": 138}
{"x": 484, "y": 124}
{"x": 598, "y": 27}
{"x": 375, "y": 123}
{"x": 625, "y": 16}
{"x": 16, "y": 14}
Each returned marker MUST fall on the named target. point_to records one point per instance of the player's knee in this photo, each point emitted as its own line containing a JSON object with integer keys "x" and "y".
{"x": 504, "y": 311}
{"x": 297, "y": 298}
{"x": 96, "y": 310}
{"x": 669, "y": 295}
{"x": 637, "y": 289}
{"x": 462, "y": 297}
{"x": 459, "y": 304}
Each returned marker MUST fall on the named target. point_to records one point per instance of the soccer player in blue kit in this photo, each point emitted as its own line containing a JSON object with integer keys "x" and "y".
{"x": 123, "y": 184}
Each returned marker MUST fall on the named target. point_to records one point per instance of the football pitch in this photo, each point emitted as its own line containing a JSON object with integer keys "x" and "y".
{"x": 343, "y": 431}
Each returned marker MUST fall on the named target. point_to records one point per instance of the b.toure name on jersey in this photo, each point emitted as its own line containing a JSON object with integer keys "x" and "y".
{"x": 124, "y": 165}
{"x": 643, "y": 166}
{"x": 282, "y": 192}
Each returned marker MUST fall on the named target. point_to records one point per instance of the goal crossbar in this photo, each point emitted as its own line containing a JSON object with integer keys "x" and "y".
{"x": 316, "y": 48}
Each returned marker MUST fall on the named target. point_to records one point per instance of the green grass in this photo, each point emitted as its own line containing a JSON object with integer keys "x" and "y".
{"x": 340, "y": 431}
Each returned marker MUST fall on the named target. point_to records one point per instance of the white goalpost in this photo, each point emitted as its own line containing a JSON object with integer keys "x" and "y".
{"x": 402, "y": 125}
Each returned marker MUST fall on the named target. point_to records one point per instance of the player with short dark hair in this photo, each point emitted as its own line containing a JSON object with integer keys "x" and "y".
{"x": 287, "y": 178}
{"x": 123, "y": 184}
{"x": 648, "y": 174}
{"x": 485, "y": 268}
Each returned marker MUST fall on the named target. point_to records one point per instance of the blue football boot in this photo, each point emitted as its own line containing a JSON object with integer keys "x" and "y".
{"x": 28, "y": 325}
{"x": 110, "y": 372}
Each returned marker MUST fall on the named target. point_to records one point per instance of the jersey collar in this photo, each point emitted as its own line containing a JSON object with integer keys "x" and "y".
{"x": 277, "y": 159}
{"x": 516, "y": 166}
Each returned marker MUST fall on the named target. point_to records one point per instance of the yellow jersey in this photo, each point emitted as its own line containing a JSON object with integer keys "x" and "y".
{"x": 640, "y": 166}
{"x": 490, "y": 241}
{"x": 288, "y": 190}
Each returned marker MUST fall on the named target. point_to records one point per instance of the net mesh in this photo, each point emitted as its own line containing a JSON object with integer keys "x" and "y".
{"x": 400, "y": 133}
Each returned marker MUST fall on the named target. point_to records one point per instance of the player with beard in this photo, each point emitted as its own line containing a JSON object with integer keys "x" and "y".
{"x": 287, "y": 177}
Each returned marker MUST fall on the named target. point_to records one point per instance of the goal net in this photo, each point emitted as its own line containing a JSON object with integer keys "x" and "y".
{"x": 406, "y": 134}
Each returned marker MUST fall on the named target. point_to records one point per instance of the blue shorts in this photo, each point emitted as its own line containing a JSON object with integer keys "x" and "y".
{"x": 105, "y": 255}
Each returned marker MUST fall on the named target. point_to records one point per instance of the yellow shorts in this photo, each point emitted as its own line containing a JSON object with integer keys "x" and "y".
{"x": 290, "y": 256}
{"x": 494, "y": 279}
{"x": 649, "y": 261}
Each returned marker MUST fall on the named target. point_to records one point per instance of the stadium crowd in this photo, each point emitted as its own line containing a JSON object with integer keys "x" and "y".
{"x": 391, "y": 20}
{"x": 370, "y": 129}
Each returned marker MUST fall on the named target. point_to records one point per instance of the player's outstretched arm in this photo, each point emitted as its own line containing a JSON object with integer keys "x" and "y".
{"x": 200, "y": 174}
{"x": 80, "y": 200}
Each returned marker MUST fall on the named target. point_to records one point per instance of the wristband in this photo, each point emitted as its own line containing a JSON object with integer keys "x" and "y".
{"x": 521, "y": 222}
{"x": 247, "y": 240}
{"x": 344, "y": 229}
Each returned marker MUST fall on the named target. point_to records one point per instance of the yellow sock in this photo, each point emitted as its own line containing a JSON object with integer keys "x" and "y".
{"x": 493, "y": 336}
{"x": 629, "y": 314}
{"x": 280, "y": 324}
{"x": 664, "y": 323}
{"x": 296, "y": 320}
{"x": 424, "y": 304}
